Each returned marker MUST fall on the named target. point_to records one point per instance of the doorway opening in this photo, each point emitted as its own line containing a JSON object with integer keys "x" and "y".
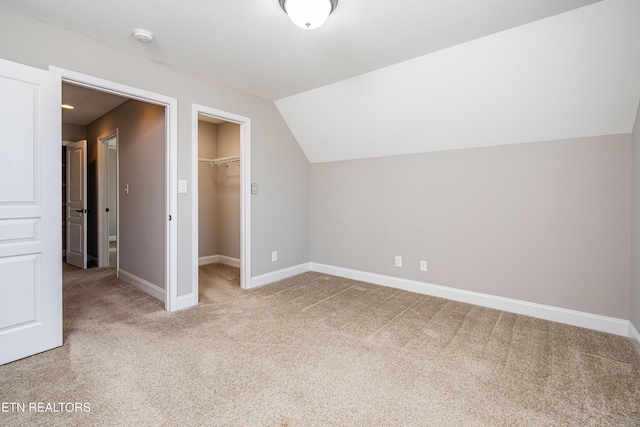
{"x": 108, "y": 193}
{"x": 93, "y": 110}
{"x": 221, "y": 150}
{"x": 218, "y": 192}
{"x": 144, "y": 211}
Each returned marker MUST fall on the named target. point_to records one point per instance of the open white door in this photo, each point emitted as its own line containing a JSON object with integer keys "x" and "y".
{"x": 77, "y": 204}
{"x": 30, "y": 197}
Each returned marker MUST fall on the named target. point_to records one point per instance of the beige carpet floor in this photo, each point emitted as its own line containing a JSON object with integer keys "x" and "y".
{"x": 315, "y": 350}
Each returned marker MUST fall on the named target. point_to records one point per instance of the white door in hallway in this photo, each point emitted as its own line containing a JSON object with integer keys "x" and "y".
{"x": 30, "y": 198}
{"x": 77, "y": 204}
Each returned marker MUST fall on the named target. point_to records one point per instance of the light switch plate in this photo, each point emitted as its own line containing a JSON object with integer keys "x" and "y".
{"x": 182, "y": 186}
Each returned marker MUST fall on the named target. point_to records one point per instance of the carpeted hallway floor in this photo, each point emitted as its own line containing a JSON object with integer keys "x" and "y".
{"x": 316, "y": 350}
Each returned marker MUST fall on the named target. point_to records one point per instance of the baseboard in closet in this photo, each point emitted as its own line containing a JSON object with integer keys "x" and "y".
{"x": 222, "y": 259}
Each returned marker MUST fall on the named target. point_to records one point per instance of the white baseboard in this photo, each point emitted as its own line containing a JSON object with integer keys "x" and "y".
{"x": 204, "y": 260}
{"x": 227, "y": 260}
{"x": 113, "y": 238}
{"x": 274, "y": 276}
{"x": 634, "y": 336}
{"x": 143, "y": 285}
{"x": 222, "y": 259}
{"x": 555, "y": 314}
{"x": 186, "y": 301}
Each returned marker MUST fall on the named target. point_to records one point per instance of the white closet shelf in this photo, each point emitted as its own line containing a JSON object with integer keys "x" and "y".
{"x": 221, "y": 161}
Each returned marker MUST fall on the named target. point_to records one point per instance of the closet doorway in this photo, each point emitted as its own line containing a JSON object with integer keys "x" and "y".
{"x": 218, "y": 192}
{"x": 221, "y": 147}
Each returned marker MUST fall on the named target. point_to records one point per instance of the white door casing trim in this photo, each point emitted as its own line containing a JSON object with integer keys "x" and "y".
{"x": 171, "y": 166}
{"x": 245, "y": 193}
{"x": 103, "y": 218}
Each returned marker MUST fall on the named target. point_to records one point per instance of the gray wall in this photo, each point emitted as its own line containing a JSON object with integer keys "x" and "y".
{"x": 207, "y": 190}
{"x": 141, "y": 152}
{"x": 280, "y": 213}
{"x": 545, "y": 222}
{"x": 635, "y": 236}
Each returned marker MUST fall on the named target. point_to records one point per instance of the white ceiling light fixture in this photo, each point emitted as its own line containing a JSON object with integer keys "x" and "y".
{"x": 308, "y": 14}
{"x": 143, "y": 36}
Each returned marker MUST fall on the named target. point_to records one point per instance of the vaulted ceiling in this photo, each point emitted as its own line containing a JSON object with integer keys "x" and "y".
{"x": 572, "y": 75}
{"x": 384, "y": 77}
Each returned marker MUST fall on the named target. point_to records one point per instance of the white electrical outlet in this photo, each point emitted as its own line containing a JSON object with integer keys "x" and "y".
{"x": 274, "y": 256}
{"x": 423, "y": 265}
{"x": 398, "y": 261}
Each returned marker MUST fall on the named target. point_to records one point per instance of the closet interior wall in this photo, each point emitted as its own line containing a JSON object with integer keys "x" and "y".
{"x": 218, "y": 194}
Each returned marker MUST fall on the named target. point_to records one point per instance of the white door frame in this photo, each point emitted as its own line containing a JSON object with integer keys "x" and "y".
{"x": 245, "y": 194}
{"x": 103, "y": 199}
{"x": 171, "y": 164}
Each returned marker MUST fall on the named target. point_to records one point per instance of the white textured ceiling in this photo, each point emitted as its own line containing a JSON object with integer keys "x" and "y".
{"x": 252, "y": 45}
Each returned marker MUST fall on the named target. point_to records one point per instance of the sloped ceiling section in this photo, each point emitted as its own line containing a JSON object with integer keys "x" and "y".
{"x": 571, "y": 75}
{"x": 253, "y": 46}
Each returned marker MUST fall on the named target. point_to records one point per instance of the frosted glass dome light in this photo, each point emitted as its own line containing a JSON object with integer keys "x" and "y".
{"x": 308, "y": 14}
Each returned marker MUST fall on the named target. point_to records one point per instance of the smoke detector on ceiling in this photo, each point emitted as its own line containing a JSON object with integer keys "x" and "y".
{"x": 143, "y": 36}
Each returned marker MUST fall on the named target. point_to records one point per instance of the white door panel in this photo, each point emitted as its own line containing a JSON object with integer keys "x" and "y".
{"x": 30, "y": 267}
{"x": 77, "y": 204}
{"x": 16, "y": 306}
